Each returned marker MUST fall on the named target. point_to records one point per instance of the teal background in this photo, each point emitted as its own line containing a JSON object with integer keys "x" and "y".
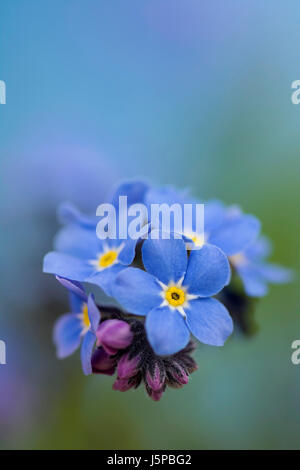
{"x": 191, "y": 93}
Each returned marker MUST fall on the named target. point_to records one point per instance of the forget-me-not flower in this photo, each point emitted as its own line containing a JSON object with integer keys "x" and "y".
{"x": 255, "y": 272}
{"x": 81, "y": 256}
{"x": 135, "y": 191}
{"x": 230, "y": 230}
{"x": 174, "y": 293}
{"x": 227, "y": 228}
{"x": 77, "y": 327}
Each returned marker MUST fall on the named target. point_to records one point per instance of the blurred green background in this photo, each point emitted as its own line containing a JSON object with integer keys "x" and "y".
{"x": 191, "y": 93}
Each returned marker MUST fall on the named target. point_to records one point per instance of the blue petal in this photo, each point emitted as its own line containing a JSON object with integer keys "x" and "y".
{"x": 106, "y": 278}
{"x": 64, "y": 265}
{"x": 74, "y": 287}
{"x": 127, "y": 253}
{"x": 166, "y": 331}
{"x": 70, "y": 214}
{"x": 87, "y": 351}
{"x": 77, "y": 295}
{"x": 93, "y": 313}
{"x": 66, "y": 334}
{"x": 259, "y": 249}
{"x": 254, "y": 283}
{"x": 78, "y": 241}
{"x": 134, "y": 190}
{"x": 235, "y": 234}
{"x": 208, "y": 271}
{"x": 209, "y": 321}
{"x": 214, "y": 214}
{"x": 274, "y": 273}
{"x": 76, "y": 303}
{"x": 137, "y": 291}
{"x": 165, "y": 259}
{"x": 191, "y": 225}
{"x": 166, "y": 195}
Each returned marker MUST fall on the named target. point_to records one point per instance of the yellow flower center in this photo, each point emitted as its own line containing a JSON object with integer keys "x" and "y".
{"x": 175, "y": 296}
{"x": 197, "y": 239}
{"x": 107, "y": 259}
{"x": 85, "y": 318}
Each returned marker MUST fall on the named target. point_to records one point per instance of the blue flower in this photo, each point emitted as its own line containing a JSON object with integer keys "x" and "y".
{"x": 255, "y": 272}
{"x": 68, "y": 213}
{"x": 135, "y": 192}
{"x": 227, "y": 228}
{"x": 174, "y": 294}
{"x": 79, "y": 325}
{"x": 81, "y": 256}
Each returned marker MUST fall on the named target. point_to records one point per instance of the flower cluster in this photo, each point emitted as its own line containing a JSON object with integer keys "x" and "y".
{"x": 166, "y": 290}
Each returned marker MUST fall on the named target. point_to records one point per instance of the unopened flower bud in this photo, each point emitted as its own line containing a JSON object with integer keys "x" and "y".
{"x": 127, "y": 367}
{"x": 156, "y": 396}
{"x": 102, "y": 363}
{"x": 156, "y": 380}
{"x": 180, "y": 375}
{"x": 122, "y": 385}
{"x": 114, "y": 335}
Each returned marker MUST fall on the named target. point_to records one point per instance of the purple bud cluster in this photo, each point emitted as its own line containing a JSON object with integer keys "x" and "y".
{"x": 122, "y": 347}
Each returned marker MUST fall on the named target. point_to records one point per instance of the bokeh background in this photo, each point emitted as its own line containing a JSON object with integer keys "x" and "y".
{"x": 195, "y": 93}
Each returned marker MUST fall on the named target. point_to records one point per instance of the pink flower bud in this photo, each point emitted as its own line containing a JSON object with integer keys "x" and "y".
{"x": 180, "y": 375}
{"x": 114, "y": 335}
{"x": 102, "y": 363}
{"x": 156, "y": 396}
{"x": 127, "y": 367}
{"x": 122, "y": 385}
{"x": 156, "y": 380}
